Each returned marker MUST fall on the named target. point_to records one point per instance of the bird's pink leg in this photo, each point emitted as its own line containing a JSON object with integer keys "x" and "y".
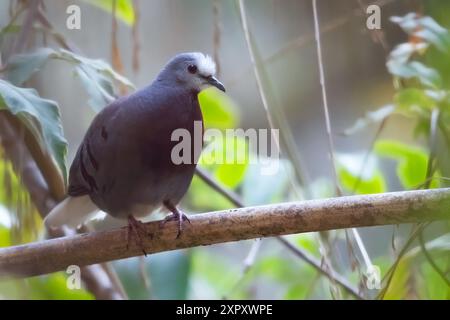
{"x": 137, "y": 228}
{"x": 177, "y": 215}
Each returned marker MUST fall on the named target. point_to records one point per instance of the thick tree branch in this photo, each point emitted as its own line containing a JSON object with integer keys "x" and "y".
{"x": 229, "y": 225}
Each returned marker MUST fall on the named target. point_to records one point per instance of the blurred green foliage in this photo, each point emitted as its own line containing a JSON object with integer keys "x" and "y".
{"x": 124, "y": 8}
{"x": 360, "y": 175}
{"x": 430, "y": 285}
{"x": 168, "y": 275}
{"x": 100, "y": 81}
{"x": 412, "y": 162}
{"x": 218, "y": 110}
{"x": 40, "y": 116}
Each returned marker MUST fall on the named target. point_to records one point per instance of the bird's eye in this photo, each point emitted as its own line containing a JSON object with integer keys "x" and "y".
{"x": 192, "y": 68}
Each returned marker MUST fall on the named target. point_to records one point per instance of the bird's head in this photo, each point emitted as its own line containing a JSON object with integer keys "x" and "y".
{"x": 193, "y": 70}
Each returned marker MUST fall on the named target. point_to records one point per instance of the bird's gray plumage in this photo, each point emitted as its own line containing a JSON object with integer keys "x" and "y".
{"x": 124, "y": 161}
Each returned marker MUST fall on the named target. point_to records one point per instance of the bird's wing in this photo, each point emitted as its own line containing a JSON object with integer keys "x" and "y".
{"x": 94, "y": 151}
{"x": 109, "y": 150}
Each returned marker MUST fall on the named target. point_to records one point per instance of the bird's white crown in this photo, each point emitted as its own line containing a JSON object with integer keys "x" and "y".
{"x": 205, "y": 64}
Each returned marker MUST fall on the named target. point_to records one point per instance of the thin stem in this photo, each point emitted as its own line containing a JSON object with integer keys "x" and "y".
{"x": 432, "y": 263}
{"x": 249, "y": 261}
{"x": 355, "y": 232}
{"x": 331, "y": 275}
{"x": 324, "y": 98}
{"x": 434, "y": 121}
{"x": 279, "y": 119}
{"x": 390, "y": 273}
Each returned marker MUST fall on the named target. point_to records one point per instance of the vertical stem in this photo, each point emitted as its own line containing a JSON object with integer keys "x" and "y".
{"x": 358, "y": 239}
{"x": 324, "y": 97}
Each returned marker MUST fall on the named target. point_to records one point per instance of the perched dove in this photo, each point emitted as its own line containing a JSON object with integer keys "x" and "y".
{"x": 123, "y": 165}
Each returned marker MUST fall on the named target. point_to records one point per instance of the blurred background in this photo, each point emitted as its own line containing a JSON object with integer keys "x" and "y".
{"x": 379, "y": 114}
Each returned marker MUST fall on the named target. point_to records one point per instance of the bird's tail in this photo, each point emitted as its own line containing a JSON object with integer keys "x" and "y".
{"x": 72, "y": 212}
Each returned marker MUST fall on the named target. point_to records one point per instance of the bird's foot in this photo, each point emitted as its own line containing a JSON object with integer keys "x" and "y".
{"x": 136, "y": 228}
{"x": 177, "y": 215}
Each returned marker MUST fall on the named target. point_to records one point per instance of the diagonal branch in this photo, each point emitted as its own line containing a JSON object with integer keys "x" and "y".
{"x": 226, "y": 226}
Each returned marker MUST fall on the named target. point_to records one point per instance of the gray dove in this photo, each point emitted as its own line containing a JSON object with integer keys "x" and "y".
{"x": 123, "y": 165}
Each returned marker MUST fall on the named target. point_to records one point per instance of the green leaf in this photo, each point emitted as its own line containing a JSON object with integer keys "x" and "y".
{"x": 40, "y": 116}
{"x": 400, "y": 283}
{"x": 258, "y": 188}
{"x": 429, "y": 77}
{"x": 438, "y": 246}
{"x": 369, "y": 181}
{"x": 4, "y": 236}
{"x": 215, "y": 275}
{"x": 22, "y": 66}
{"x": 430, "y": 284}
{"x": 228, "y": 157}
{"x": 202, "y": 198}
{"x": 307, "y": 241}
{"x": 433, "y": 286}
{"x": 371, "y": 117}
{"x": 425, "y": 28}
{"x": 300, "y": 290}
{"x": 432, "y": 48}
{"x": 10, "y": 183}
{"x": 412, "y": 98}
{"x": 412, "y": 161}
{"x": 218, "y": 110}
{"x": 124, "y": 8}
{"x": 168, "y": 274}
{"x": 54, "y": 287}
{"x": 232, "y": 174}
{"x": 404, "y": 51}
{"x": 295, "y": 278}
{"x": 97, "y": 77}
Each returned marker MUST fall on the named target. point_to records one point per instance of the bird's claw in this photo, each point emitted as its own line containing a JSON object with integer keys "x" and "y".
{"x": 178, "y": 216}
{"x": 137, "y": 228}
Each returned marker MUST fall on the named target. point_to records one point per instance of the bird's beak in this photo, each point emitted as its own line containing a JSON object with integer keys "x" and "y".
{"x": 216, "y": 83}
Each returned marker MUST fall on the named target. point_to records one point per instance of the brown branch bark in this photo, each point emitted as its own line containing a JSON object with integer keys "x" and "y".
{"x": 229, "y": 225}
